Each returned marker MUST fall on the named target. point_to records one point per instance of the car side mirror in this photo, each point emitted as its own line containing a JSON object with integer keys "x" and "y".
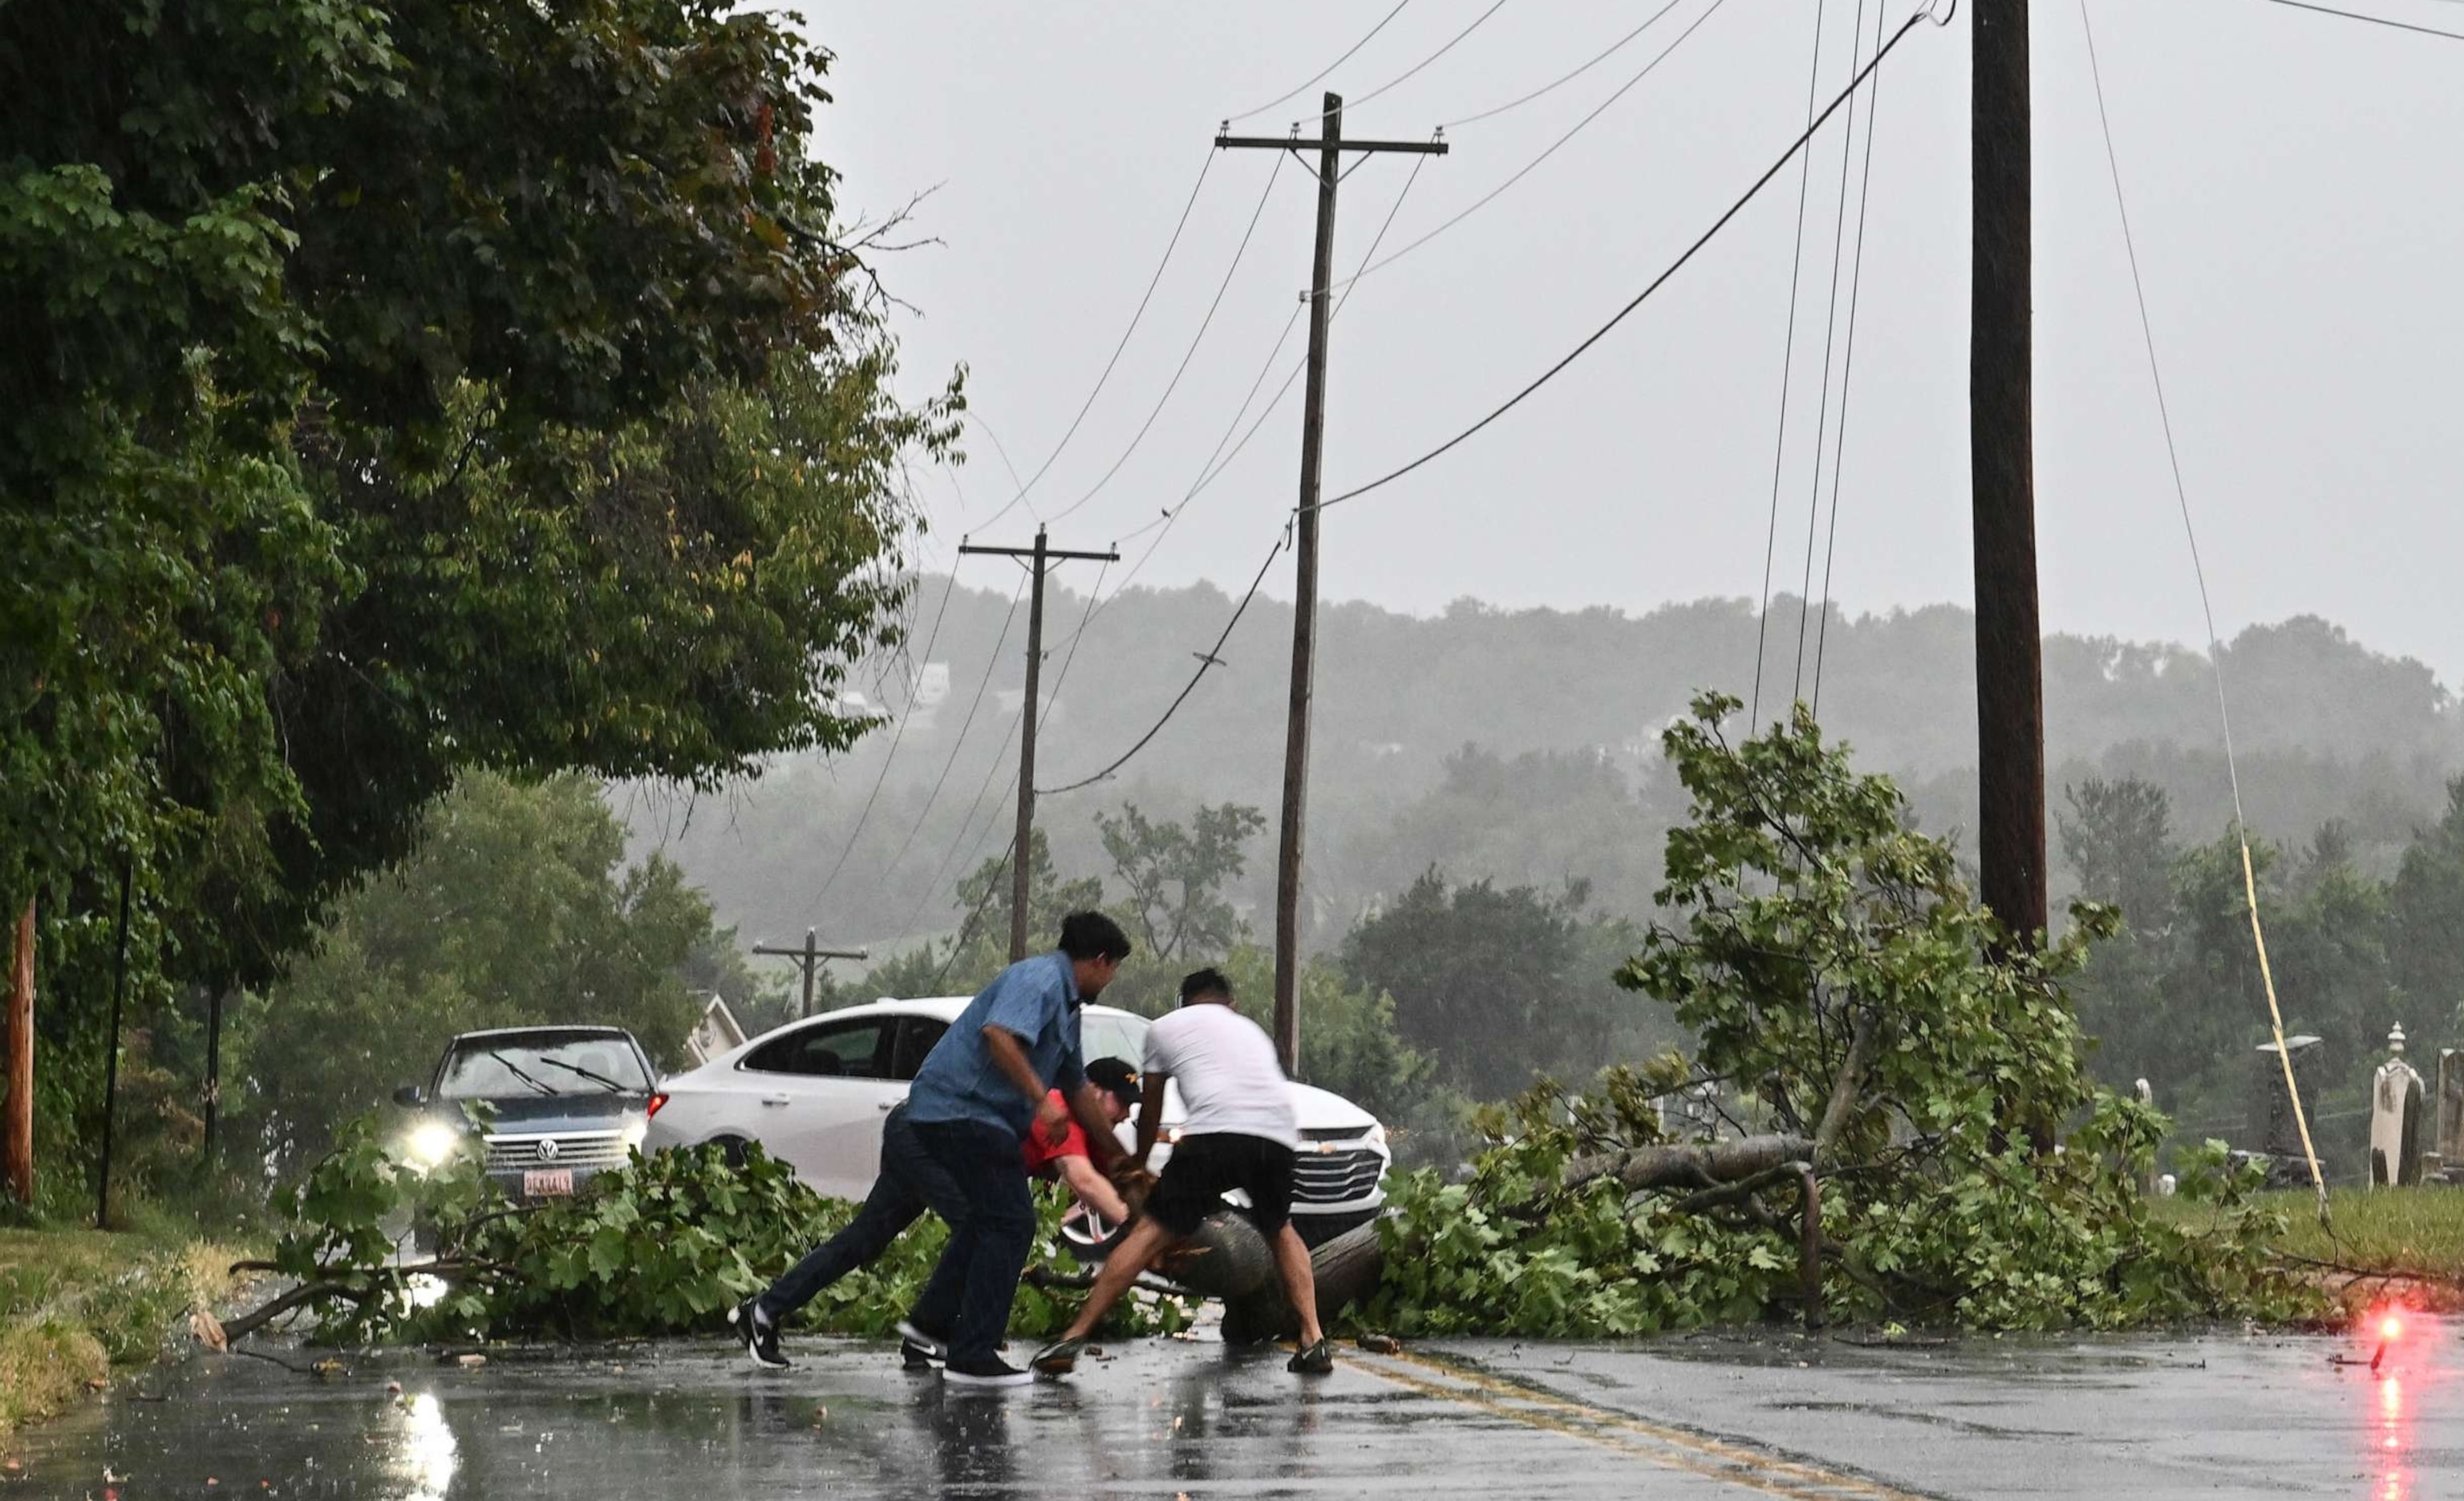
{"x": 411, "y": 1094}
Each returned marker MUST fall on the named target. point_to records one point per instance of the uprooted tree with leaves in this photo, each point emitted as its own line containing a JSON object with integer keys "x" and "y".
{"x": 1867, "y": 1018}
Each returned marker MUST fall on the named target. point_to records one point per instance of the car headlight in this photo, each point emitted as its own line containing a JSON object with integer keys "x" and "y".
{"x": 1377, "y": 1136}
{"x": 635, "y": 1133}
{"x": 430, "y": 1143}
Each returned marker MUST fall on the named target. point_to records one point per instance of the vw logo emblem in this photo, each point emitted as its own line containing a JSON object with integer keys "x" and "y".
{"x": 548, "y": 1150}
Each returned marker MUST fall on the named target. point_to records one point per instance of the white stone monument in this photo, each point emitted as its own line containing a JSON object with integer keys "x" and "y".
{"x": 2395, "y": 1118}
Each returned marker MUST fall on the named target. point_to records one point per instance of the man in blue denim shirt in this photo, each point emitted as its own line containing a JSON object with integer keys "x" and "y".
{"x": 980, "y": 1090}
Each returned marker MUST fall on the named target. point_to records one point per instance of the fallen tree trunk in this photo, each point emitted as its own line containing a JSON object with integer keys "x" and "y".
{"x": 1345, "y": 1268}
{"x": 1699, "y": 1165}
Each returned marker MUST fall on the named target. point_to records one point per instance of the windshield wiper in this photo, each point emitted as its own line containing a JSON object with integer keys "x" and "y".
{"x": 611, "y": 1086}
{"x": 515, "y": 1069}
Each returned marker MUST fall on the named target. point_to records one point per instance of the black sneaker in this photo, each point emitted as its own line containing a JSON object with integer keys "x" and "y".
{"x": 932, "y": 1345}
{"x": 1059, "y": 1357}
{"x": 761, "y": 1335}
{"x": 989, "y": 1371}
{"x": 1318, "y": 1360}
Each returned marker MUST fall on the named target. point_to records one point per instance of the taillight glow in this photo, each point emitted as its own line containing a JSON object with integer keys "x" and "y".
{"x": 2390, "y": 1327}
{"x": 656, "y": 1100}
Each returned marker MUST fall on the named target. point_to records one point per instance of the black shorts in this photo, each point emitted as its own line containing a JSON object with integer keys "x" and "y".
{"x": 1203, "y": 1169}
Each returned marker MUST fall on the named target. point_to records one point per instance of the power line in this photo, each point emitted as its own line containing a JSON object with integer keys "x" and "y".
{"x": 965, "y": 822}
{"x": 1187, "y": 355}
{"x": 1528, "y": 167}
{"x": 905, "y": 714}
{"x": 1656, "y": 282}
{"x": 1787, "y": 375}
{"x": 1135, "y": 318}
{"x": 992, "y": 665}
{"x": 1555, "y": 84}
{"x": 1847, "y": 368}
{"x": 1213, "y": 658}
{"x": 2374, "y": 20}
{"x": 1314, "y": 78}
{"x": 1212, "y": 470}
{"x": 1830, "y": 331}
{"x": 1477, "y": 22}
{"x": 2215, "y": 648}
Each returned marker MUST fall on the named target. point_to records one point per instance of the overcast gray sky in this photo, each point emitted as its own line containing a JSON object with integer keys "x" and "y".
{"x": 2292, "y": 182}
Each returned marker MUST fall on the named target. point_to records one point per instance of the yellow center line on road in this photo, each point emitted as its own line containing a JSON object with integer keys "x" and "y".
{"x": 1714, "y": 1459}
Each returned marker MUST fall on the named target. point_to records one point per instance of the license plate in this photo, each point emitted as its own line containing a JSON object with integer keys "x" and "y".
{"x": 548, "y": 1183}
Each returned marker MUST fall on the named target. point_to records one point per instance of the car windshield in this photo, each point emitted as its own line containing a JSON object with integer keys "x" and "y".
{"x": 497, "y": 1067}
{"x": 1118, "y": 1035}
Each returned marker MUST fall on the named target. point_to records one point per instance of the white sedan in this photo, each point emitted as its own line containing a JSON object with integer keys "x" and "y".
{"x": 813, "y": 1093}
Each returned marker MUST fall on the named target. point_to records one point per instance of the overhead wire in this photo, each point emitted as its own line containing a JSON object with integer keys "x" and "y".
{"x": 1656, "y": 282}
{"x": 1209, "y": 321}
{"x": 2207, "y": 607}
{"x": 1847, "y": 370}
{"x": 1152, "y": 281}
{"x": 1218, "y": 461}
{"x": 905, "y": 714}
{"x": 1477, "y": 22}
{"x": 1787, "y": 372}
{"x": 958, "y": 744}
{"x": 1528, "y": 168}
{"x": 2375, "y": 20}
{"x": 1294, "y": 92}
{"x": 1562, "y": 79}
{"x": 1829, "y": 331}
{"x": 1213, "y": 657}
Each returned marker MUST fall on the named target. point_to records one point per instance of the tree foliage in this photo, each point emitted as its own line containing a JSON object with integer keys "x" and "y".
{"x": 1822, "y": 950}
{"x": 1499, "y": 984}
{"x": 397, "y": 388}
{"x": 664, "y": 1245}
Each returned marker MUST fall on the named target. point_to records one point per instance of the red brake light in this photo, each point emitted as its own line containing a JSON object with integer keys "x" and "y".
{"x": 656, "y": 1100}
{"x": 2390, "y": 1327}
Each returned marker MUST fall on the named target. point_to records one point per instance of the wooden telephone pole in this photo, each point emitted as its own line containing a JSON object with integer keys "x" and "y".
{"x": 1019, "y": 864}
{"x": 808, "y": 959}
{"x": 1330, "y": 146}
{"x": 2010, "y": 643}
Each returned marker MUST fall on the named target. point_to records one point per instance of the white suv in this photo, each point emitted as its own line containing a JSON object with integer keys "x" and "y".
{"x": 813, "y": 1093}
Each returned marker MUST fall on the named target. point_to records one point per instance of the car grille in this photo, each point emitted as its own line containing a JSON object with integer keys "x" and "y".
{"x": 587, "y": 1151}
{"x": 1335, "y": 1176}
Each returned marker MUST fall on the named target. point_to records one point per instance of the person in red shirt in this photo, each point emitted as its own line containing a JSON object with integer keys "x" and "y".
{"x": 1068, "y": 1161}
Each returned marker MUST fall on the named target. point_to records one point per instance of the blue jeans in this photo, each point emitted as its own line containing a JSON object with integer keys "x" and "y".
{"x": 911, "y": 1183}
{"x": 989, "y": 1241}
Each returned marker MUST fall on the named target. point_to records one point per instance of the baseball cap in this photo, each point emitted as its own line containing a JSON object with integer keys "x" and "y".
{"x": 1115, "y": 1077}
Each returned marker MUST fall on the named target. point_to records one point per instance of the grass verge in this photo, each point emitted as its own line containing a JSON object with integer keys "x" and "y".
{"x": 74, "y": 1304}
{"x": 2409, "y": 1238}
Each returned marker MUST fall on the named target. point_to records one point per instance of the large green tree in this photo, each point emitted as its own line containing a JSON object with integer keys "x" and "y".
{"x": 401, "y": 388}
{"x": 1501, "y": 984}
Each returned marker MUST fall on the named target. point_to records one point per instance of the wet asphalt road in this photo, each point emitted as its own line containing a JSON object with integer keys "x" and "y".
{"x": 1717, "y": 1417}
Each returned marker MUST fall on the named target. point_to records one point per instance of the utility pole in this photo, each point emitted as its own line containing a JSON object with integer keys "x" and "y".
{"x": 17, "y": 1112}
{"x": 808, "y": 959}
{"x": 2010, "y": 644}
{"x": 1331, "y": 146}
{"x": 1040, "y": 556}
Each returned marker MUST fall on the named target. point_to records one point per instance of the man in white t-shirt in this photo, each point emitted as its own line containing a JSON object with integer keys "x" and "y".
{"x": 1239, "y": 1133}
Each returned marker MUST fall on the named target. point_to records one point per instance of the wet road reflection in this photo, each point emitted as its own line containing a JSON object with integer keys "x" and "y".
{"x": 1725, "y": 1416}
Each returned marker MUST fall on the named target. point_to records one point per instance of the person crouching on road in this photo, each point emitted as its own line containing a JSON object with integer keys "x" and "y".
{"x": 910, "y": 1183}
{"x": 1240, "y": 1133}
{"x": 989, "y": 1081}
